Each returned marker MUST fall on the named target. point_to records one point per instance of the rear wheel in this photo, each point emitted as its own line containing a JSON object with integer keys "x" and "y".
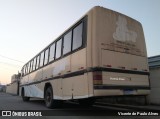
{"x": 49, "y": 101}
{"x": 25, "y": 99}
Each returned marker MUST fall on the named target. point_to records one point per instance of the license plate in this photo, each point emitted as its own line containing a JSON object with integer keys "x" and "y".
{"x": 127, "y": 92}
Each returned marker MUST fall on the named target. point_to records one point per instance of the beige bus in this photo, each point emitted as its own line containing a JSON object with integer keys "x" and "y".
{"x": 102, "y": 54}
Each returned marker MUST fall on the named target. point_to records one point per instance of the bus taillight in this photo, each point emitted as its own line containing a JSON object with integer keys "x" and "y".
{"x": 134, "y": 68}
{"x": 108, "y": 65}
{"x": 97, "y": 77}
{"x": 144, "y": 70}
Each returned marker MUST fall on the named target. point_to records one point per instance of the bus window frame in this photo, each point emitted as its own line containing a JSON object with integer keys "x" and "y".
{"x": 84, "y": 21}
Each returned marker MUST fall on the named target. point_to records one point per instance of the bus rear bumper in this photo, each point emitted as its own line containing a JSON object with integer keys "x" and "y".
{"x": 120, "y": 92}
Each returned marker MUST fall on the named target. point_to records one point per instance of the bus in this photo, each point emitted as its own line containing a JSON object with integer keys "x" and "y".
{"x": 102, "y": 54}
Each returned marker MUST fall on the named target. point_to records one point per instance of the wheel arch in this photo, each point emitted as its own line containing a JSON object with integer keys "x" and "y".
{"x": 22, "y": 91}
{"x": 48, "y": 84}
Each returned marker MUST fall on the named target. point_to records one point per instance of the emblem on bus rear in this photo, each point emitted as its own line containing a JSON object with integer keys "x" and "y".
{"x": 122, "y": 32}
{"x": 117, "y": 79}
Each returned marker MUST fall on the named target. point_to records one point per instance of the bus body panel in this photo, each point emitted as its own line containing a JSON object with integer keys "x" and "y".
{"x": 76, "y": 85}
{"x": 119, "y": 92}
{"x": 57, "y": 88}
{"x": 33, "y": 90}
{"x": 119, "y": 46}
{"x": 108, "y": 34}
{"x": 112, "y": 78}
{"x": 123, "y": 60}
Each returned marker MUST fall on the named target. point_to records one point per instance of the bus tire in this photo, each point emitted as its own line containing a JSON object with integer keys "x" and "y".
{"x": 49, "y": 101}
{"x": 24, "y": 98}
{"x": 87, "y": 102}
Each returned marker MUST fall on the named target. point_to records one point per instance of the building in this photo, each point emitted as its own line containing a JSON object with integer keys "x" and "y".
{"x": 13, "y": 87}
{"x": 2, "y": 88}
{"x": 154, "y": 67}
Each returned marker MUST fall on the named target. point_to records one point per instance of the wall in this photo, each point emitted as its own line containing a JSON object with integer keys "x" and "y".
{"x": 12, "y": 88}
{"x": 154, "y": 96}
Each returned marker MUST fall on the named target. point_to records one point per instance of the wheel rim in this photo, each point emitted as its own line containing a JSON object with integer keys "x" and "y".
{"x": 48, "y": 97}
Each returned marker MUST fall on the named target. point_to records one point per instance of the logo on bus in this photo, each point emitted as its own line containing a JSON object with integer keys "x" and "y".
{"x": 117, "y": 79}
{"x": 122, "y": 32}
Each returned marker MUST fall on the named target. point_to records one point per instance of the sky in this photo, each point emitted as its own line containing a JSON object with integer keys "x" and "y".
{"x": 28, "y": 26}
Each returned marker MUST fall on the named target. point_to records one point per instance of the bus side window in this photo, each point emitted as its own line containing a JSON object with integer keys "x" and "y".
{"x": 52, "y": 52}
{"x": 77, "y": 37}
{"x": 42, "y": 59}
{"x": 37, "y": 64}
{"x": 46, "y": 57}
{"x": 67, "y": 43}
{"x": 24, "y": 70}
{"x": 34, "y": 63}
{"x": 58, "y": 48}
{"x": 28, "y": 67}
{"x": 31, "y": 65}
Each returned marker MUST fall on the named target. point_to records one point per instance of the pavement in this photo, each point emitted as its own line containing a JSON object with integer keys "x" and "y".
{"x": 68, "y": 111}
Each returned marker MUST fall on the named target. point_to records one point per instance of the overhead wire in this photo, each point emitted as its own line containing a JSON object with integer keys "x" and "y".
{"x": 11, "y": 59}
{"x": 13, "y": 65}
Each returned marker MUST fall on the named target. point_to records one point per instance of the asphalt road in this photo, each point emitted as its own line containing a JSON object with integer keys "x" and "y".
{"x": 67, "y": 111}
